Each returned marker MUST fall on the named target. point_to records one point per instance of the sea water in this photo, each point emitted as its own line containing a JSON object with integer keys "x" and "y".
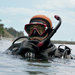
{"x": 12, "y": 65}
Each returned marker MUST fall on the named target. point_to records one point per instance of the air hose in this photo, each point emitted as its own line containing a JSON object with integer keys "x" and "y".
{"x": 20, "y": 38}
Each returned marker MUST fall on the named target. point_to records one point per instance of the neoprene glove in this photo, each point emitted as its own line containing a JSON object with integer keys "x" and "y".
{"x": 28, "y": 46}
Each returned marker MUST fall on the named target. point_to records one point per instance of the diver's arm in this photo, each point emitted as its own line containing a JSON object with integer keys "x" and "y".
{"x": 13, "y": 49}
{"x": 27, "y": 46}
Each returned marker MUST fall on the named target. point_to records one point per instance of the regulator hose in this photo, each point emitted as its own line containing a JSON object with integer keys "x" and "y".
{"x": 20, "y": 38}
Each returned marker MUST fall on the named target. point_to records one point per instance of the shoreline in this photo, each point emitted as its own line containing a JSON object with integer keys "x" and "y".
{"x": 53, "y": 41}
{"x": 63, "y": 42}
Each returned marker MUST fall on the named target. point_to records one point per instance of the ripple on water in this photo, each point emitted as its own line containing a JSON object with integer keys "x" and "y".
{"x": 11, "y": 65}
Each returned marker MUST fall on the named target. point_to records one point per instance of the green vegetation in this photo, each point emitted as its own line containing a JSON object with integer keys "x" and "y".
{"x": 1, "y": 30}
{"x": 14, "y": 32}
{"x": 9, "y": 32}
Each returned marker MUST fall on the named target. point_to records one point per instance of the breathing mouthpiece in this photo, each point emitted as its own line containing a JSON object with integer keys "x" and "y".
{"x": 40, "y": 44}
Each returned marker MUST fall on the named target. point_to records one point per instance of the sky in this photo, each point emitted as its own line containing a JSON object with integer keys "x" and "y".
{"x": 17, "y": 13}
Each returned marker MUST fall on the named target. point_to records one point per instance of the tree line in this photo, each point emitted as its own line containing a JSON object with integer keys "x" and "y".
{"x": 1, "y": 30}
{"x": 14, "y": 32}
{"x": 11, "y": 31}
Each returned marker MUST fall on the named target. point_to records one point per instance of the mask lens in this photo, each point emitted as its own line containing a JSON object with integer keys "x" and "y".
{"x": 40, "y": 28}
{"x": 29, "y": 28}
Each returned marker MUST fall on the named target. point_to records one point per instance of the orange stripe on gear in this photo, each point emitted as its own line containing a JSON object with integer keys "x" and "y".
{"x": 44, "y": 17}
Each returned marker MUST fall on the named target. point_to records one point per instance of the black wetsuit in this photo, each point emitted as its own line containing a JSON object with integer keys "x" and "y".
{"x": 47, "y": 51}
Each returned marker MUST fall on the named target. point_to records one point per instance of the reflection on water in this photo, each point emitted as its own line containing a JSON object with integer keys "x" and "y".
{"x": 13, "y": 65}
{"x": 38, "y": 67}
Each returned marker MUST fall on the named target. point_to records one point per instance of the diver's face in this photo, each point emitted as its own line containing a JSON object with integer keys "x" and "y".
{"x": 36, "y": 31}
{"x": 39, "y": 38}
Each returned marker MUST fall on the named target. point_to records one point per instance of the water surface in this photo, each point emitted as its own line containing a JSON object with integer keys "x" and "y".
{"x": 12, "y": 65}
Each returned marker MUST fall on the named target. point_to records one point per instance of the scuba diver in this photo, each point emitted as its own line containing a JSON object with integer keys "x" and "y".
{"x": 39, "y": 45}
